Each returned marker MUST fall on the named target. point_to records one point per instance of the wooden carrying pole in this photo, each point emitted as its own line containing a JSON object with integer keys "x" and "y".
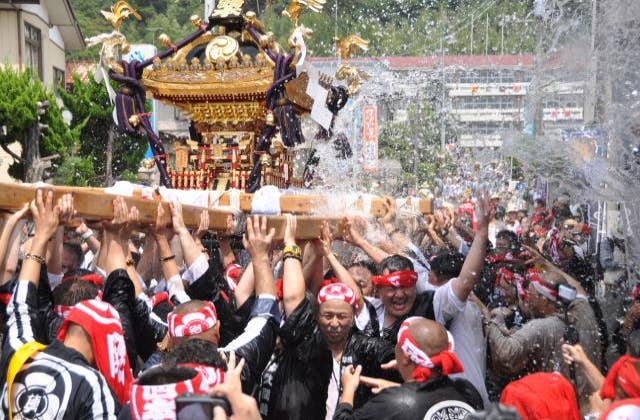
{"x": 309, "y": 204}
{"x": 95, "y": 204}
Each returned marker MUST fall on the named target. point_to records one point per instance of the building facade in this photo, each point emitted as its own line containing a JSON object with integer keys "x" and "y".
{"x": 36, "y": 35}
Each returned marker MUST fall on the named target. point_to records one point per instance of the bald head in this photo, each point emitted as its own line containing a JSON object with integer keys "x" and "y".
{"x": 188, "y": 307}
{"x": 430, "y": 336}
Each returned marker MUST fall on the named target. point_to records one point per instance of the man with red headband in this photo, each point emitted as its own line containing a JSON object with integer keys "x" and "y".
{"x": 198, "y": 319}
{"x": 536, "y": 347}
{"x": 425, "y": 359}
{"x": 85, "y": 373}
{"x": 303, "y": 379}
{"x": 398, "y": 296}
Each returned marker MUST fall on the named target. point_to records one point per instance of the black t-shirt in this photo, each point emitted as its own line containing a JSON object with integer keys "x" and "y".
{"x": 441, "y": 398}
{"x": 294, "y": 384}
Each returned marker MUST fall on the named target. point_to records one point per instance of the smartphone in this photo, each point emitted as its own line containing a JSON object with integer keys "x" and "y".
{"x": 199, "y": 407}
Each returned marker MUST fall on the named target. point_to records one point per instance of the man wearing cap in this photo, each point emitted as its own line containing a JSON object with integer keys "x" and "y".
{"x": 303, "y": 380}
{"x": 398, "y": 296}
{"x": 425, "y": 359}
{"x": 85, "y": 372}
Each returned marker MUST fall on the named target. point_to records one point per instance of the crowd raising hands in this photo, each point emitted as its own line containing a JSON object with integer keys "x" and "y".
{"x": 463, "y": 311}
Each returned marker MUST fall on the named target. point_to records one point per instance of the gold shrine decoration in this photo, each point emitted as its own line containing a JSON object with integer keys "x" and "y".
{"x": 229, "y": 113}
{"x": 296, "y": 7}
{"x": 203, "y": 82}
{"x": 228, "y": 8}
{"x": 119, "y": 12}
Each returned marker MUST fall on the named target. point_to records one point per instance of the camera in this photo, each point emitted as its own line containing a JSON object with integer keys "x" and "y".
{"x": 199, "y": 407}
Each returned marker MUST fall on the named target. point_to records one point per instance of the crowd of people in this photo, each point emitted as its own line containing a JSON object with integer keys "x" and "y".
{"x": 475, "y": 311}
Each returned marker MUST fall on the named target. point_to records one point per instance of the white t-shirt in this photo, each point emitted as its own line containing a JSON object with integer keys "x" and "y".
{"x": 333, "y": 392}
{"x": 471, "y": 347}
{"x": 466, "y": 329}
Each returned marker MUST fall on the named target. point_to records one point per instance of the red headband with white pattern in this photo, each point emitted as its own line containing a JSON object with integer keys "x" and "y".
{"x": 337, "y": 291}
{"x": 446, "y": 360}
{"x": 157, "y": 402}
{"x": 192, "y": 323}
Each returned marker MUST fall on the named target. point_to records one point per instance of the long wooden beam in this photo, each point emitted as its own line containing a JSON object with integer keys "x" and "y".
{"x": 95, "y": 204}
{"x": 309, "y": 204}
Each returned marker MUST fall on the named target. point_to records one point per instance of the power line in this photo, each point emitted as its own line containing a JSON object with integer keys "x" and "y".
{"x": 478, "y": 12}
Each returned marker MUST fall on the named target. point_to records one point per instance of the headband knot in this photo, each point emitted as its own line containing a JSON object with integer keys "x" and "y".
{"x": 446, "y": 360}
{"x": 101, "y": 322}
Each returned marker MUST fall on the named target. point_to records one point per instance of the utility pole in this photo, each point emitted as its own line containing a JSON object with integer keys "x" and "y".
{"x": 486, "y": 35}
{"x": 591, "y": 86}
{"x": 502, "y": 37}
{"x": 471, "y": 34}
{"x": 443, "y": 134}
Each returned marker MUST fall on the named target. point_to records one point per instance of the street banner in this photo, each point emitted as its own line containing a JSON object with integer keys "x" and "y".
{"x": 370, "y": 137}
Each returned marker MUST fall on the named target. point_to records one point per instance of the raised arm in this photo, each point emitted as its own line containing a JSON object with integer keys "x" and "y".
{"x": 293, "y": 284}
{"x": 46, "y": 219}
{"x": 170, "y": 270}
{"x": 576, "y": 355}
{"x": 342, "y": 273}
{"x": 312, "y": 265}
{"x": 114, "y": 241}
{"x": 203, "y": 228}
{"x": 538, "y": 259}
{"x": 11, "y": 263}
{"x": 472, "y": 267}
{"x": 7, "y": 233}
{"x": 245, "y": 286}
{"x": 190, "y": 250}
{"x": 352, "y": 236}
{"x": 89, "y": 237}
{"x": 258, "y": 242}
{"x": 23, "y": 303}
{"x": 55, "y": 271}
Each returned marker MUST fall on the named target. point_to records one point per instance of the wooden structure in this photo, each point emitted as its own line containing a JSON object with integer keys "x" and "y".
{"x": 96, "y": 204}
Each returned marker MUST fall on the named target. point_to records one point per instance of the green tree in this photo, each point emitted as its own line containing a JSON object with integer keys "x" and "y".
{"x": 19, "y": 97}
{"x": 409, "y": 27}
{"x": 415, "y": 143}
{"x": 92, "y": 114}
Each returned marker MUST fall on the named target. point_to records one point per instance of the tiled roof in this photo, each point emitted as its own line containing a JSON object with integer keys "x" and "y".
{"x": 84, "y": 69}
{"x": 434, "y": 61}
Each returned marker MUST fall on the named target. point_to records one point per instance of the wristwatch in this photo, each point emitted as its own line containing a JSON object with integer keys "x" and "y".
{"x": 292, "y": 251}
